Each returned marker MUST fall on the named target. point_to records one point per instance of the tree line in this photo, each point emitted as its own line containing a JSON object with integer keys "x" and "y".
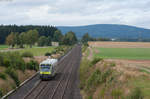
{"x": 5, "y": 30}
{"x": 32, "y": 36}
{"x": 86, "y": 37}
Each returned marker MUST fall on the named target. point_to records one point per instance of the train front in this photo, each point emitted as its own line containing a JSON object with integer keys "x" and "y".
{"x": 45, "y": 71}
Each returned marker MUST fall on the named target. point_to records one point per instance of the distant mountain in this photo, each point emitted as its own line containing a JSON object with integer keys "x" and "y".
{"x": 108, "y": 31}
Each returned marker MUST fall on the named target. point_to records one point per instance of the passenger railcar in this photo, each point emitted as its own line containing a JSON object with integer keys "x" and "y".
{"x": 48, "y": 68}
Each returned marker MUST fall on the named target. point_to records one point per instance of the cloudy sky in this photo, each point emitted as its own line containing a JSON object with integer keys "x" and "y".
{"x": 75, "y": 12}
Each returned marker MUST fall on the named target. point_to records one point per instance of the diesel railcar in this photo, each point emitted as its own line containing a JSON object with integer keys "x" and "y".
{"x": 48, "y": 68}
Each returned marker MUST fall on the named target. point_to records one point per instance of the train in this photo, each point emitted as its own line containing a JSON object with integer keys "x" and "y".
{"x": 48, "y": 68}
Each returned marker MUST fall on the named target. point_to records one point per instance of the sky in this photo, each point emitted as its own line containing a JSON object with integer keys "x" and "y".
{"x": 75, "y": 12}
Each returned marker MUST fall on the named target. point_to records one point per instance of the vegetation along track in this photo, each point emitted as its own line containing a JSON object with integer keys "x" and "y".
{"x": 62, "y": 86}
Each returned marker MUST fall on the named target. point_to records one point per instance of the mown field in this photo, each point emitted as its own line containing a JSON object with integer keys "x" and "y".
{"x": 2, "y": 47}
{"x": 124, "y": 53}
{"x": 37, "y": 51}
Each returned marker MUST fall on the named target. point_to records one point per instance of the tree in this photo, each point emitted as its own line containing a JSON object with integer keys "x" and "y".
{"x": 42, "y": 41}
{"x": 22, "y": 39}
{"x": 16, "y": 39}
{"x": 32, "y": 37}
{"x": 58, "y": 36}
{"x": 70, "y": 38}
{"x": 86, "y": 38}
{"x": 49, "y": 41}
{"x": 10, "y": 40}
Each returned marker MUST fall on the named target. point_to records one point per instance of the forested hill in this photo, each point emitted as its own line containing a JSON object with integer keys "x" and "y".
{"x": 109, "y": 31}
{"x": 43, "y": 30}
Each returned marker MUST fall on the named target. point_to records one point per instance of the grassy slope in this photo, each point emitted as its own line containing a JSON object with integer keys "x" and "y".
{"x": 124, "y": 53}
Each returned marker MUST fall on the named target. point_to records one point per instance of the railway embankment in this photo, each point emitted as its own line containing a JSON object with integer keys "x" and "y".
{"x": 104, "y": 79}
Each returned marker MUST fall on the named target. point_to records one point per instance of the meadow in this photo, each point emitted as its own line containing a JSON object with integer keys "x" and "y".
{"x": 124, "y": 53}
{"x": 2, "y": 47}
{"x": 37, "y": 51}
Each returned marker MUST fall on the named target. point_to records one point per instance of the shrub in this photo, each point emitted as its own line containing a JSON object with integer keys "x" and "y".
{"x": 3, "y": 76}
{"x": 104, "y": 75}
{"x": 27, "y": 54}
{"x": 6, "y": 62}
{"x": 54, "y": 52}
{"x": 32, "y": 65}
{"x": 1, "y": 93}
{"x": 90, "y": 97}
{"x": 13, "y": 74}
{"x": 112, "y": 64}
{"x": 47, "y": 54}
{"x": 136, "y": 93}
{"x": 94, "y": 79}
{"x": 116, "y": 93}
{"x": 1, "y": 58}
{"x": 95, "y": 60}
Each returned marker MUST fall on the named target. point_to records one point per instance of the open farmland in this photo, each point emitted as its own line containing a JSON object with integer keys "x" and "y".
{"x": 124, "y": 53}
{"x": 122, "y": 50}
{"x": 130, "y": 59}
{"x": 130, "y": 66}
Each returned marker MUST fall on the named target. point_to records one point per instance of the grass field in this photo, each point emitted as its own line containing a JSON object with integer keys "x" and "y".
{"x": 124, "y": 53}
{"x": 2, "y": 47}
{"x": 37, "y": 51}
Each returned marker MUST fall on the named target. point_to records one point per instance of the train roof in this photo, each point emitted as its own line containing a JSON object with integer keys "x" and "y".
{"x": 49, "y": 61}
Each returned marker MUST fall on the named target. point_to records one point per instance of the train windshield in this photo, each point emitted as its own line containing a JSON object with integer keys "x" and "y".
{"x": 45, "y": 67}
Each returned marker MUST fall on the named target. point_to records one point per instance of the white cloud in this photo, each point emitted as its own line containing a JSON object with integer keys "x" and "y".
{"x": 76, "y": 12}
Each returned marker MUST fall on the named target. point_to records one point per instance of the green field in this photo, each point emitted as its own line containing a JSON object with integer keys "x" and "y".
{"x": 37, "y": 51}
{"x": 2, "y": 47}
{"x": 124, "y": 53}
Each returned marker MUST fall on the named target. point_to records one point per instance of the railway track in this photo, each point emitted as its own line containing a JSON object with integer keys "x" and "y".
{"x": 59, "y": 88}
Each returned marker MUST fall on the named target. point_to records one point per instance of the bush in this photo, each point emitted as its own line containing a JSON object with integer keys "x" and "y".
{"x": 27, "y": 54}
{"x": 90, "y": 97}
{"x": 47, "y": 54}
{"x": 6, "y": 62}
{"x": 3, "y": 76}
{"x": 54, "y": 52}
{"x": 32, "y": 65}
{"x": 16, "y": 61}
{"x": 95, "y": 60}
{"x": 136, "y": 93}
{"x": 116, "y": 93}
{"x": 94, "y": 79}
{"x": 13, "y": 74}
{"x": 1, "y": 93}
{"x": 112, "y": 64}
{"x": 1, "y": 58}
